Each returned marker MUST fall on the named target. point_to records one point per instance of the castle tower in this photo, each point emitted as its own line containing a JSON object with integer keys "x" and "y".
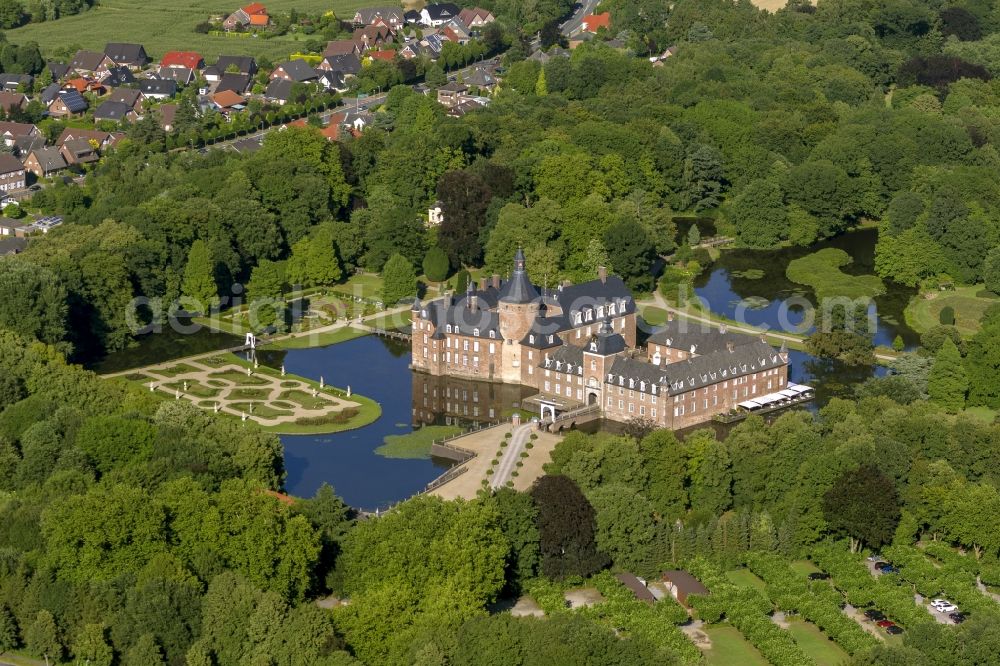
{"x": 519, "y": 302}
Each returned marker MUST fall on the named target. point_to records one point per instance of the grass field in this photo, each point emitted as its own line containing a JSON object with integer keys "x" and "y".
{"x": 815, "y": 644}
{"x": 167, "y": 25}
{"x": 320, "y": 339}
{"x": 746, "y": 578}
{"x": 729, "y": 648}
{"x": 804, "y": 567}
{"x": 653, "y": 315}
{"x": 821, "y": 271}
{"x": 969, "y": 304}
{"x": 416, "y": 444}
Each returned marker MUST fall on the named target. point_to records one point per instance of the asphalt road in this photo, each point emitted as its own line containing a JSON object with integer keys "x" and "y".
{"x": 574, "y": 24}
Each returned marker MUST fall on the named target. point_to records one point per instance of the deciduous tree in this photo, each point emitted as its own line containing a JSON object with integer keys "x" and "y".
{"x": 863, "y": 505}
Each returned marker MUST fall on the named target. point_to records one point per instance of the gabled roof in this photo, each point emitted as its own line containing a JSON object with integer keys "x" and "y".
{"x": 259, "y": 19}
{"x": 385, "y": 56}
{"x": 279, "y": 90}
{"x": 368, "y": 14}
{"x": 245, "y": 65}
{"x": 132, "y": 54}
{"x": 71, "y": 133}
{"x": 254, "y": 8}
{"x": 17, "y": 129}
{"x": 12, "y": 100}
{"x": 189, "y": 59}
{"x": 441, "y": 11}
{"x": 128, "y": 96}
{"x": 166, "y": 113}
{"x": 348, "y": 63}
{"x": 470, "y": 14}
{"x": 480, "y": 78}
{"x": 237, "y": 83}
{"x": 180, "y": 75}
{"x": 10, "y": 164}
{"x": 57, "y": 69}
{"x": 49, "y": 158}
{"x": 592, "y": 22}
{"x": 73, "y": 100}
{"x": 699, "y": 338}
{"x": 111, "y": 110}
{"x": 333, "y": 79}
{"x": 12, "y": 81}
{"x": 341, "y": 47}
{"x": 81, "y": 150}
{"x": 454, "y": 86}
{"x": 298, "y": 70}
{"x": 150, "y": 87}
{"x": 50, "y": 93}
{"x": 118, "y": 76}
{"x": 10, "y": 246}
{"x": 88, "y": 61}
{"x": 227, "y": 99}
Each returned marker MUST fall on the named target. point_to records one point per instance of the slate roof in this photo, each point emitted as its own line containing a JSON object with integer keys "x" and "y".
{"x": 279, "y": 90}
{"x": 462, "y": 319}
{"x": 180, "y": 75}
{"x": 340, "y": 47}
{"x": 369, "y": 14}
{"x": 118, "y": 76}
{"x": 50, "y": 93}
{"x": 441, "y": 11}
{"x": 568, "y": 359}
{"x": 57, "y": 69}
{"x": 480, "y": 78}
{"x": 411, "y": 16}
{"x": 12, "y": 81}
{"x": 132, "y": 54}
{"x": 49, "y": 158}
{"x": 10, "y": 164}
{"x": 71, "y": 133}
{"x": 698, "y": 338}
{"x": 151, "y": 87}
{"x": 347, "y": 63}
{"x": 606, "y": 342}
{"x": 245, "y": 65}
{"x": 12, "y": 245}
{"x": 128, "y": 96}
{"x": 86, "y": 60}
{"x": 333, "y": 80}
{"x": 519, "y": 288}
{"x": 237, "y": 83}
{"x": 81, "y": 150}
{"x": 112, "y": 110}
{"x": 17, "y": 129}
{"x": 299, "y": 70}
{"x": 25, "y": 144}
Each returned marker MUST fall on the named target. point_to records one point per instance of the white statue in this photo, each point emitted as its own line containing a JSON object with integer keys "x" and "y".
{"x": 348, "y": 390}
{"x": 185, "y": 387}
{"x": 250, "y": 341}
{"x": 322, "y": 384}
{"x": 282, "y": 369}
{"x": 244, "y": 416}
{"x": 177, "y": 395}
{"x": 216, "y": 408}
{"x": 249, "y": 372}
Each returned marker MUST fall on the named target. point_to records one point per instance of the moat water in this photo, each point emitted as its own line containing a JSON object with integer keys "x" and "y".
{"x": 378, "y": 368}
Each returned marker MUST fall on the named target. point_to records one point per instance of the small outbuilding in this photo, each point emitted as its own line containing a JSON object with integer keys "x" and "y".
{"x": 681, "y": 585}
{"x": 637, "y": 586}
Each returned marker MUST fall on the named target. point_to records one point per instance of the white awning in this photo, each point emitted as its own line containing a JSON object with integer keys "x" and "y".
{"x": 789, "y": 393}
{"x": 750, "y": 404}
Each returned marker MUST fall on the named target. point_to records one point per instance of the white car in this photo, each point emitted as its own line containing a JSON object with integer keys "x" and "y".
{"x": 944, "y": 606}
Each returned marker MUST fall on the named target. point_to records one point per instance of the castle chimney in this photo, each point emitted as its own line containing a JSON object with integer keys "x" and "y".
{"x": 496, "y": 281}
{"x": 482, "y": 284}
{"x": 602, "y": 273}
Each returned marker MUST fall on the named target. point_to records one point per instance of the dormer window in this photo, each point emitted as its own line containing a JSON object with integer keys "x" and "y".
{"x": 449, "y": 328}
{"x": 593, "y": 346}
{"x": 600, "y": 312}
{"x": 550, "y": 339}
{"x": 475, "y": 332}
{"x": 611, "y": 309}
{"x": 578, "y": 318}
{"x": 531, "y": 339}
{"x": 493, "y": 334}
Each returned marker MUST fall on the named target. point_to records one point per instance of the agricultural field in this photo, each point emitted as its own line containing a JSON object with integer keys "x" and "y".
{"x": 167, "y": 25}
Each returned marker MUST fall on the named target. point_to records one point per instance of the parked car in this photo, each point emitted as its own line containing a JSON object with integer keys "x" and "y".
{"x": 885, "y": 623}
{"x": 957, "y": 618}
{"x": 879, "y": 564}
{"x": 819, "y": 575}
{"x": 873, "y": 614}
{"x": 944, "y": 606}
{"x": 889, "y": 569}
{"x": 894, "y": 630}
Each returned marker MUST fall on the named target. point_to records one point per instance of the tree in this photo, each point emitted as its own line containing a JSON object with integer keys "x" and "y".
{"x": 948, "y": 382}
{"x": 760, "y": 215}
{"x": 518, "y": 516}
{"x": 863, "y": 505}
{"x": 436, "y": 264}
{"x": 947, "y": 316}
{"x": 541, "y": 88}
{"x": 898, "y": 344}
{"x": 631, "y": 253}
{"x": 91, "y": 646}
{"x": 199, "y": 277}
{"x": 991, "y": 270}
{"x": 625, "y": 528}
{"x": 322, "y": 266}
{"x": 11, "y": 14}
{"x": 703, "y": 178}
{"x": 41, "y": 638}
{"x": 8, "y": 630}
{"x": 265, "y": 294}
{"x": 933, "y": 338}
{"x": 399, "y": 280}
{"x": 694, "y": 236}
{"x": 464, "y": 198}
{"x": 145, "y": 652}
{"x": 33, "y": 302}
{"x": 566, "y": 525}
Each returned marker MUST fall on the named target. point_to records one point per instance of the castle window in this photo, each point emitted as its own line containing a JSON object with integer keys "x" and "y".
{"x": 600, "y": 312}
{"x": 465, "y": 345}
{"x": 653, "y": 399}
{"x": 493, "y": 349}
{"x": 578, "y": 318}
{"x": 621, "y": 404}
{"x": 475, "y": 345}
{"x": 611, "y": 309}
{"x": 531, "y": 339}
{"x": 610, "y": 401}
{"x": 493, "y": 334}
{"x": 449, "y": 328}
{"x": 653, "y": 413}
{"x": 550, "y": 339}
{"x": 593, "y": 364}
{"x": 631, "y": 408}
{"x": 475, "y": 332}
{"x": 642, "y": 410}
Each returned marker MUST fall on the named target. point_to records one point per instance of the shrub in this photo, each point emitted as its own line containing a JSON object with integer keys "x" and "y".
{"x": 529, "y": 445}
{"x": 947, "y": 316}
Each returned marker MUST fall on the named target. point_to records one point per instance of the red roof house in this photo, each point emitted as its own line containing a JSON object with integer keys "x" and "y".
{"x": 387, "y": 56}
{"x": 188, "y": 59}
{"x": 594, "y": 21}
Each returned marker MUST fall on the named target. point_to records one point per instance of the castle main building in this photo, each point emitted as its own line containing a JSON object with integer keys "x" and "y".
{"x": 576, "y": 345}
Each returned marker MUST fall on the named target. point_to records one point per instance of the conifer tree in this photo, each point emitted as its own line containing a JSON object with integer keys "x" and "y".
{"x": 199, "y": 276}
{"x": 948, "y": 382}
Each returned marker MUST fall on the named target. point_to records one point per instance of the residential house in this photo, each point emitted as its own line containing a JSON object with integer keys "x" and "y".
{"x": 438, "y": 14}
{"x": 57, "y": 69}
{"x": 11, "y": 173}
{"x": 10, "y": 101}
{"x": 89, "y": 62}
{"x": 391, "y": 17}
{"x": 102, "y": 140}
{"x": 11, "y": 246}
{"x": 132, "y": 56}
{"x": 16, "y": 82}
{"x": 681, "y": 585}
{"x": 465, "y": 105}
{"x": 384, "y": 56}
{"x": 481, "y": 78}
{"x": 117, "y": 77}
{"x": 592, "y": 22}
{"x": 411, "y": 50}
{"x": 116, "y": 112}
{"x": 228, "y": 101}
{"x": 158, "y": 89}
{"x": 451, "y": 94}
{"x": 50, "y": 92}
{"x": 357, "y": 120}
{"x": 348, "y": 63}
{"x": 475, "y": 17}
{"x": 22, "y": 145}
{"x": 44, "y": 162}
{"x": 433, "y": 43}
{"x": 279, "y": 91}
{"x": 296, "y": 71}
{"x": 247, "y": 146}
{"x": 166, "y": 113}
{"x": 79, "y": 152}
{"x": 130, "y": 97}
{"x": 182, "y": 76}
{"x": 335, "y": 81}
{"x": 412, "y": 17}
{"x": 237, "y": 83}
{"x": 455, "y": 31}
{"x": 251, "y": 16}
{"x": 13, "y": 228}
{"x": 342, "y": 47}
{"x": 637, "y": 586}
{"x": 372, "y": 36}
{"x": 66, "y": 104}
{"x": 230, "y": 64}
{"x": 182, "y": 60}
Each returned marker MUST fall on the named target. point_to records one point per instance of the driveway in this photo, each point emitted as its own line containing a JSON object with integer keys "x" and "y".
{"x": 511, "y": 454}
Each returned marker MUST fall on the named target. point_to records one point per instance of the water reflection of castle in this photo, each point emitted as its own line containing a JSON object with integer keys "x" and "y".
{"x": 443, "y": 400}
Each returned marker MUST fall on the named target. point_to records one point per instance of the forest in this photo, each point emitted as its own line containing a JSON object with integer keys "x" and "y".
{"x": 135, "y": 531}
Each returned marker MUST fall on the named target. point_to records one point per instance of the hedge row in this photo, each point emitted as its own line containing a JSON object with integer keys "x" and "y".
{"x": 947, "y": 555}
{"x": 749, "y": 611}
{"x": 949, "y": 580}
{"x": 819, "y": 602}
{"x": 852, "y": 577}
{"x": 655, "y": 623}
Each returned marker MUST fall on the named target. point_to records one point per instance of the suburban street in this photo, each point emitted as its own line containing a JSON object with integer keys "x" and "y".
{"x": 575, "y": 22}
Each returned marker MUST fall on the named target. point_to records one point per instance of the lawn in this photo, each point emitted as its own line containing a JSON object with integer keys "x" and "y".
{"x": 416, "y": 444}
{"x": 804, "y": 567}
{"x": 264, "y": 411}
{"x": 319, "y": 339}
{"x": 167, "y": 25}
{"x": 194, "y": 388}
{"x": 239, "y": 378}
{"x": 653, "y": 315}
{"x": 984, "y": 414}
{"x": 821, "y": 271}
{"x": 391, "y": 322}
{"x": 364, "y": 285}
{"x": 969, "y": 304}
{"x": 729, "y": 648}
{"x": 816, "y": 644}
{"x": 303, "y": 399}
{"x": 746, "y": 578}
